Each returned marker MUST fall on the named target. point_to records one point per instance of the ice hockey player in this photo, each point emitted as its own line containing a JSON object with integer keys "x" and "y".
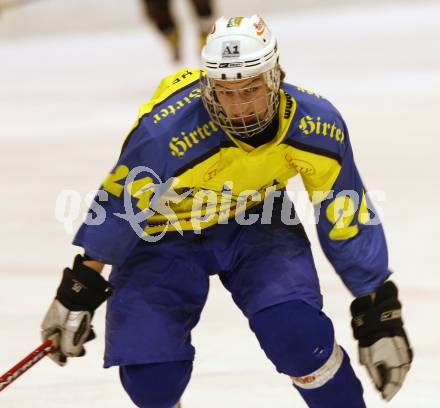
{"x": 199, "y": 190}
{"x": 160, "y": 13}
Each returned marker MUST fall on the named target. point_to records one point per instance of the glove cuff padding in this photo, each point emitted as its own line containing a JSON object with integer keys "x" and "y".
{"x": 82, "y": 288}
{"x": 387, "y": 291}
{"x": 378, "y": 318}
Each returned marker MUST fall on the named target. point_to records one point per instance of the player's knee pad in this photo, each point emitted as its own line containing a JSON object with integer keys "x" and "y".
{"x": 157, "y": 385}
{"x": 299, "y": 340}
{"x": 295, "y": 336}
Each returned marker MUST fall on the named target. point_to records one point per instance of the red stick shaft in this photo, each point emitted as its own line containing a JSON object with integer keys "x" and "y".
{"x": 24, "y": 365}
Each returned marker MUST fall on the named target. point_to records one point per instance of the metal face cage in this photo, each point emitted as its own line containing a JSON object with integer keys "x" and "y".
{"x": 242, "y": 111}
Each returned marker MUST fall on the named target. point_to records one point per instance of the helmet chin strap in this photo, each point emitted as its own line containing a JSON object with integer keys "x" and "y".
{"x": 251, "y": 135}
{"x": 264, "y": 136}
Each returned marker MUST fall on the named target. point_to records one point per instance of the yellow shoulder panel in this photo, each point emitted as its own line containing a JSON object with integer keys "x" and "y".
{"x": 169, "y": 86}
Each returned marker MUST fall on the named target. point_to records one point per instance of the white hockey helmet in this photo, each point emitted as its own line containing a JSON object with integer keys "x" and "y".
{"x": 237, "y": 49}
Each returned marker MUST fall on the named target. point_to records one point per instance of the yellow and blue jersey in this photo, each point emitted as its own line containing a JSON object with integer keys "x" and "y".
{"x": 204, "y": 171}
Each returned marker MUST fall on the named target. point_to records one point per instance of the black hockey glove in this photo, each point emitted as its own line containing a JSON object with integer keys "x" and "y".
{"x": 383, "y": 344}
{"x": 69, "y": 317}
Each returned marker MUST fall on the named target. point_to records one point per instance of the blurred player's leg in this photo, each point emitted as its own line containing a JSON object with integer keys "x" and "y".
{"x": 159, "y": 12}
{"x": 205, "y": 18}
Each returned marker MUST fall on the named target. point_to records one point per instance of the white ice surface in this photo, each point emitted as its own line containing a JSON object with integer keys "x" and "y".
{"x": 66, "y": 103}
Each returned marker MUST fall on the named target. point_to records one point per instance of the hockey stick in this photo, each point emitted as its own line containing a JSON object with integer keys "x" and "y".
{"x": 30, "y": 360}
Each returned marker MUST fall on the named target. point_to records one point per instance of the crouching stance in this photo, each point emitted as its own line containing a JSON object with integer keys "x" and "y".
{"x": 199, "y": 190}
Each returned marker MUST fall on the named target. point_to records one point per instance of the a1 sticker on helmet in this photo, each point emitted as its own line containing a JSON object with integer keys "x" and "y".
{"x": 231, "y": 49}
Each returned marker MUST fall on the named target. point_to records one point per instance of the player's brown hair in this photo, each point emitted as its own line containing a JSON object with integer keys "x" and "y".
{"x": 282, "y": 74}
